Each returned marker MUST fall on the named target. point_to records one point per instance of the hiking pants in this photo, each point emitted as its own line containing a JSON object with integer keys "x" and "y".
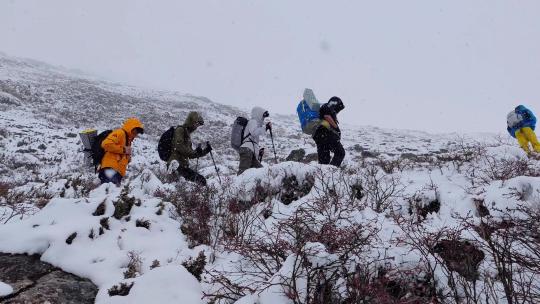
{"x": 525, "y": 136}
{"x": 248, "y": 160}
{"x": 192, "y": 176}
{"x": 108, "y": 175}
{"x": 328, "y": 141}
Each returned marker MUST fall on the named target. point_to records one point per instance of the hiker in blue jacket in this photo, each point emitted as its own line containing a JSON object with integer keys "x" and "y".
{"x": 521, "y": 123}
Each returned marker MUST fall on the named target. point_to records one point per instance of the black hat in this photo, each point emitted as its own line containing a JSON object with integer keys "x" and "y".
{"x": 336, "y": 104}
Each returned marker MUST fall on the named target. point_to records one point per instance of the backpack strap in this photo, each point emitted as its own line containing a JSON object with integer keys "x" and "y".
{"x": 246, "y": 137}
{"x": 127, "y": 137}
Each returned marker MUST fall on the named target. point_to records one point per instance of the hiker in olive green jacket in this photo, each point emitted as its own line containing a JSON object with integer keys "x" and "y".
{"x": 182, "y": 150}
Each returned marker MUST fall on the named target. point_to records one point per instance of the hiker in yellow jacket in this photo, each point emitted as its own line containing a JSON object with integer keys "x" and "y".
{"x": 117, "y": 146}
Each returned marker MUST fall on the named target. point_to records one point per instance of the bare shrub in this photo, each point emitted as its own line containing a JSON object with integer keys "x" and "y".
{"x": 511, "y": 239}
{"x": 494, "y": 168}
{"x": 18, "y": 203}
{"x": 390, "y": 285}
{"x": 142, "y": 223}
{"x": 77, "y": 186}
{"x": 193, "y": 208}
{"x": 462, "y": 152}
{"x": 438, "y": 250}
{"x": 121, "y": 289}
{"x": 123, "y": 205}
{"x": 155, "y": 264}
{"x": 196, "y": 266}
{"x": 325, "y": 226}
{"x": 134, "y": 265}
{"x": 381, "y": 189}
{"x": 390, "y": 166}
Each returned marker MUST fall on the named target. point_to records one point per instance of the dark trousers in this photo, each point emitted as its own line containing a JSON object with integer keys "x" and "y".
{"x": 248, "y": 160}
{"x": 328, "y": 141}
{"x": 115, "y": 179}
{"x": 192, "y": 176}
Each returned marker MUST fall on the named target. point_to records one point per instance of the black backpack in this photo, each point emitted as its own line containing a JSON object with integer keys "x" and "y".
{"x": 165, "y": 144}
{"x": 97, "y": 151}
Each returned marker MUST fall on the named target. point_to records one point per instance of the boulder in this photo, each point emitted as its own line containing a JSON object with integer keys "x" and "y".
{"x": 460, "y": 256}
{"x": 310, "y": 158}
{"x": 34, "y": 281}
{"x": 296, "y": 155}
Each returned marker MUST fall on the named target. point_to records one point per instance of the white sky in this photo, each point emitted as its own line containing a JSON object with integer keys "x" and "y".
{"x": 456, "y": 65}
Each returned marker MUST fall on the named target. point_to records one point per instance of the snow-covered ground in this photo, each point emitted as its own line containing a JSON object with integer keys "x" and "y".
{"x": 5, "y": 289}
{"x": 287, "y": 233}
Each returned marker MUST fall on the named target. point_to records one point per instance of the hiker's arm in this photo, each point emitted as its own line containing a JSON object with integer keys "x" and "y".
{"x": 511, "y": 131}
{"x": 532, "y": 118}
{"x": 331, "y": 121}
{"x": 259, "y": 131}
{"x": 113, "y": 143}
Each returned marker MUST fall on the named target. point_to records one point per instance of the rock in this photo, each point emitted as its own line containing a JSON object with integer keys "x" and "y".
{"x": 121, "y": 290}
{"x": 100, "y": 210}
{"x": 122, "y": 207}
{"x": 34, "y": 281}
{"x": 369, "y": 154}
{"x": 460, "y": 256}
{"x": 8, "y": 99}
{"x": 409, "y": 156}
{"x": 481, "y": 207}
{"x": 296, "y": 155}
{"x": 310, "y": 158}
{"x": 292, "y": 190}
{"x": 70, "y": 239}
{"x": 432, "y": 207}
{"x": 423, "y": 204}
{"x": 357, "y": 191}
{"x": 358, "y": 148}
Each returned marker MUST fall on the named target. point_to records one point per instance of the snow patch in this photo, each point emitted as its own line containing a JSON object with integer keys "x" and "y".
{"x": 5, "y": 289}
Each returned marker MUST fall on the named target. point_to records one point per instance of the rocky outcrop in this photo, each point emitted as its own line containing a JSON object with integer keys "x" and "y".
{"x": 296, "y": 155}
{"x": 300, "y": 156}
{"x": 34, "y": 281}
{"x": 462, "y": 257}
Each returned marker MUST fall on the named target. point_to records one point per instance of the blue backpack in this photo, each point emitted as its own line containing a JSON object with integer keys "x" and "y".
{"x": 308, "y": 112}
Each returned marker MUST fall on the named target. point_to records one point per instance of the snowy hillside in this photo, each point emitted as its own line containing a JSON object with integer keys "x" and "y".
{"x": 411, "y": 217}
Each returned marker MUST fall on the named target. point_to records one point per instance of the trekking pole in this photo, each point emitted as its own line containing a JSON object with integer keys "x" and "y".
{"x": 273, "y": 146}
{"x": 217, "y": 171}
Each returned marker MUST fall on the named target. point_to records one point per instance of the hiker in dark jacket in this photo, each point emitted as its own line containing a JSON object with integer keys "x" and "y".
{"x": 182, "y": 150}
{"x": 328, "y": 135}
{"x": 250, "y": 152}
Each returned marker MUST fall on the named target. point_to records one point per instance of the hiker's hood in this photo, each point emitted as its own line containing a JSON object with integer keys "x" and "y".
{"x": 257, "y": 114}
{"x": 193, "y": 120}
{"x": 521, "y": 108}
{"x": 132, "y": 123}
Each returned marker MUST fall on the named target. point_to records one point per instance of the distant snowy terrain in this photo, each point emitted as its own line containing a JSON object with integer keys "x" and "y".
{"x": 411, "y": 217}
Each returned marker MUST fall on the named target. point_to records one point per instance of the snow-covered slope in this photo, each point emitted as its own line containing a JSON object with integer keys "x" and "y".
{"x": 287, "y": 233}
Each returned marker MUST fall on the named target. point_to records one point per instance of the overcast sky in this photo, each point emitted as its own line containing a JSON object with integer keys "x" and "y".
{"x": 426, "y": 65}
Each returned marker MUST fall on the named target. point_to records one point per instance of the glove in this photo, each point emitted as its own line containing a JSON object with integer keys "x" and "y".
{"x": 208, "y": 148}
{"x": 268, "y": 126}
{"x": 199, "y": 151}
{"x": 173, "y": 166}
